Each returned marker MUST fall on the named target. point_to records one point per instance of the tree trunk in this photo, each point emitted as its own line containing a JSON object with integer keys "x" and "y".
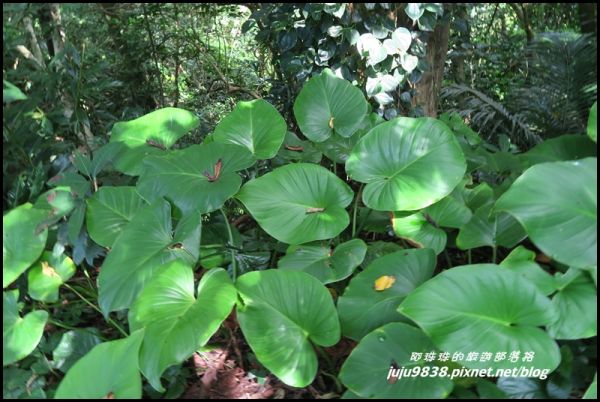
{"x": 428, "y": 89}
{"x": 524, "y": 19}
{"x": 588, "y": 17}
{"x": 58, "y": 32}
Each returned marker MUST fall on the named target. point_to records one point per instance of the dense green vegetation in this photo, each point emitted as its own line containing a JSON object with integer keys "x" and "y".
{"x": 324, "y": 200}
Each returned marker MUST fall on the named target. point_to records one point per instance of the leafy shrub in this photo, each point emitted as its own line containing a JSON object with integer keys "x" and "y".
{"x": 427, "y": 182}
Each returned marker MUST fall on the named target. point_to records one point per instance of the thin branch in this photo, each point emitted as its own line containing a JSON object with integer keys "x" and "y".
{"x": 487, "y": 31}
{"x": 154, "y": 54}
{"x": 35, "y": 46}
{"x": 28, "y": 55}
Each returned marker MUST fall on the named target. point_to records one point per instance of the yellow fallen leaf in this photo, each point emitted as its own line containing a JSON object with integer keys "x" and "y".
{"x": 384, "y": 282}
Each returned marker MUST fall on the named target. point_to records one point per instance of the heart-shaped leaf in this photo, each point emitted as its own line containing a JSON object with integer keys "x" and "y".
{"x": 177, "y": 323}
{"x": 407, "y": 163}
{"x": 151, "y": 134}
{"x": 484, "y": 308}
{"x": 22, "y": 241}
{"x": 450, "y": 212}
{"x": 338, "y": 148}
{"x": 409, "y": 62}
{"x": 108, "y": 371}
{"x": 559, "y": 215}
{"x": 56, "y": 203}
{"x": 307, "y": 197}
{"x": 20, "y": 335}
{"x": 109, "y": 210}
{"x": 577, "y": 305}
{"x": 199, "y": 178}
{"x": 400, "y": 41}
{"x": 414, "y": 10}
{"x": 522, "y": 261}
{"x": 147, "y": 243}
{"x": 420, "y": 230}
{"x": 323, "y": 263}
{"x": 563, "y": 148}
{"x": 46, "y": 276}
{"x": 371, "y": 48}
{"x": 294, "y": 149}
{"x": 256, "y": 125}
{"x": 284, "y": 311}
{"x": 366, "y": 371}
{"x": 73, "y": 346}
{"x": 362, "y": 308}
{"x": 328, "y": 104}
{"x": 487, "y": 228}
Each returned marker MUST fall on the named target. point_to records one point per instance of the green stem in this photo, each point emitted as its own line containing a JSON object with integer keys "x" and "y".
{"x": 87, "y": 275}
{"x": 448, "y": 261}
{"x": 325, "y": 356}
{"x": 364, "y": 220}
{"x": 233, "y": 261}
{"x": 494, "y": 252}
{"x": 92, "y": 305}
{"x": 354, "y": 213}
{"x": 469, "y": 256}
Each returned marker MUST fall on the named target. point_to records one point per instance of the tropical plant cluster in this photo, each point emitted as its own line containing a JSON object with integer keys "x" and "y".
{"x": 270, "y": 226}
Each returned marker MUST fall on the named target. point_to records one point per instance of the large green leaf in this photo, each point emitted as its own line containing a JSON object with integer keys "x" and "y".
{"x": 592, "y": 391}
{"x": 450, "y": 212}
{"x": 338, "y": 148}
{"x": 487, "y": 228}
{"x": 419, "y": 230}
{"x": 22, "y": 241}
{"x": 147, "y": 243}
{"x": 323, "y": 263}
{"x": 20, "y": 335}
{"x": 177, "y": 323}
{"x": 108, "y": 371}
{"x": 46, "y": 276}
{"x": 73, "y": 346}
{"x": 592, "y": 126}
{"x": 557, "y": 205}
{"x": 198, "y": 178}
{"x": 379, "y": 249}
{"x": 298, "y": 203}
{"x": 57, "y": 203}
{"x": 563, "y": 148}
{"x": 484, "y": 308}
{"x": 11, "y": 93}
{"x": 328, "y": 104}
{"x": 407, "y": 163}
{"x": 256, "y": 125}
{"x": 109, "y": 210}
{"x": 282, "y": 313}
{"x": 294, "y": 149}
{"x": 362, "y": 308}
{"x": 151, "y": 134}
{"x": 366, "y": 371}
{"x": 577, "y": 304}
{"x": 522, "y": 261}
